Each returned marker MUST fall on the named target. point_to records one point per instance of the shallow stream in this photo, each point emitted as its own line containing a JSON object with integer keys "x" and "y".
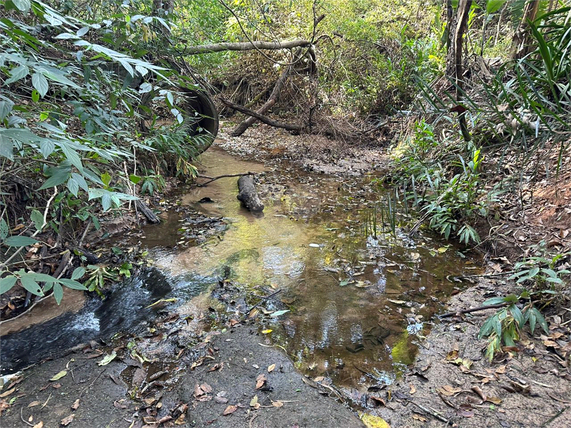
{"x": 357, "y": 302}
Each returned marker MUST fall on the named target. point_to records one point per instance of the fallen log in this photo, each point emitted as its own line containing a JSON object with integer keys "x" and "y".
{"x": 246, "y": 46}
{"x": 147, "y": 212}
{"x": 248, "y": 194}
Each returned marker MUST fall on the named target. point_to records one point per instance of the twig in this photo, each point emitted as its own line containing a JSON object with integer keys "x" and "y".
{"x": 46, "y": 402}
{"x": 211, "y": 179}
{"x": 486, "y": 275}
{"x": 431, "y": 412}
{"x": 555, "y": 416}
{"x": 22, "y": 417}
{"x": 91, "y": 384}
{"x": 467, "y": 311}
{"x": 259, "y": 303}
{"x": 19, "y": 250}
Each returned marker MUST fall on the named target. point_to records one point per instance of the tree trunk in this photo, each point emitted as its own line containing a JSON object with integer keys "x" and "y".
{"x": 246, "y": 46}
{"x": 248, "y": 195}
{"x": 521, "y": 42}
{"x": 461, "y": 26}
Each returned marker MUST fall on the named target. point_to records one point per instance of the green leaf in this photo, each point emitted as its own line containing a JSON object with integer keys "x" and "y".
{"x": 5, "y": 108}
{"x": 134, "y": 179}
{"x": 73, "y": 284}
{"x": 58, "y": 293}
{"x": 6, "y": 147}
{"x": 7, "y": 283}
{"x": 487, "y": 327}
{"x": 4, "y": 229}
{"x": 78, "y": 273}
{"x": 532, "y": 320}
{"x": 72, "y": 155}
{"x": 22, "y": 5}
{"x": 541, "y": 320}
{"x": 106, "y": 178}
{"x": 47, "y": 147}
{"x": 494, "y": 5}
{"x": 278, "y": 313}
{"x": 80, "y": 181}
{"x": 516, "y": 313}
{"x": 72, "y": 186}
{"x": 32, "y": 286}
{"x": 17, "y": 73}
{"x": 19, "y": 241}
{"x": 494, "y": 301}
{"x": 40, "y": 82}
{"x": 38, "y": 219}
{"x": 59, "y": 175}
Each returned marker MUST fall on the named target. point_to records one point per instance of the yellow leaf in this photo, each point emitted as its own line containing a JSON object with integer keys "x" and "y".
{"x": 59, "y": 375}
{"x": 271, "y": 368}
{"x": 268, "y": 331}
{"x": 371, "y": 421}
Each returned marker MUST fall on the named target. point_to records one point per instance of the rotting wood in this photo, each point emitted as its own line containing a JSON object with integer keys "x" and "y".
{"x": 246, "y": 46}
{"x": 262, "y": 118}
{"x": 248, "y": 194}
{"x": 147, "y": 212}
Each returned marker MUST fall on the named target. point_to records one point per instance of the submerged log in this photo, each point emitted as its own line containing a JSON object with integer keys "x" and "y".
{"x": 248, "y": 195}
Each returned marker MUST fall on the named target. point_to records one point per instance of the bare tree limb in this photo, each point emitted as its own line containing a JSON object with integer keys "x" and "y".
{"x": 261, "y": 118}
{"x": 246, "y": 46}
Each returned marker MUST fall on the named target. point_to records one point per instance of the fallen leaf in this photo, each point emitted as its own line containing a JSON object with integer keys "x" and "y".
{"x": 319, "y": 379}
{"x": 418, "y": 417}
{"x": 412, "y": 389}
{"x": 198, "y": 392}
{"x": 452, "y": 355}
{"x": 56, "y": 385}
{"x": 206, "y": 388}
{"x": 494, "y": 400}
{"x": 181, "y": 419}
{"x": 254, "y": 402}
{"x": 66, "y": 421}
{"x": 221, "y": 398}
{"x": 107, "y": 359}
{"x": 279, "y": 313}
{"x": 75, "y": 404}
{"x": 271, "y": 368}
{"x": 59, "y": 375}
{"x": 229, "y": 410}
{"x": 149, "y": 401}
{"x": 371, "y": 421}
{"x": 261, "y": 381}
{"x": 268, "y": 331}
{"x": 449, "y": 391}
{"x": 278, "y": 403}
{"x": 215, "y": 367}
{"x": 377, "y": 401}
{"x": 34, "y": 403}
{"x": 39, "y": 425}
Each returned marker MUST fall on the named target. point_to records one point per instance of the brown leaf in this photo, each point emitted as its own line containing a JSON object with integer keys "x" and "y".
{"x": 34, "y": 403}
{"x": 377, "y": 401}
{"x": 75, "y": 405}
{"x": 215, "y": 367}
{"x": 206, "y": 388}
{"x": 198, "y": 392}
{"x": 39, "y": 425}
{"x": 417, "y": 417}
{"x": 229, "y": 410}
{"x": 452, "y": 355}
{"x": 66, "y": 421}
{"x": 494, "y": 400}
{"x": 181, "y": 419}
{"x": 271, "y": 368}
{"x": 412, "y": 389}
{"x": 261, "y": 381}
{"x": 7, "y": 393}
{"x": 479, "y": 391}
{"x": 277, "y": 403}
{"x": 118, "y": 404}
{"x": 449, "y": 391}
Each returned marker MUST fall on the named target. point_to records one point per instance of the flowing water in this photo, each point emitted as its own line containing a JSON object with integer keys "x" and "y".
{"x": 357, "y": 302}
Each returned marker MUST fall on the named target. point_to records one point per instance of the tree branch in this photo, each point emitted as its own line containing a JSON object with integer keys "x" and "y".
{"x": 246, "y": 46}
{"x": 264, "y": 119}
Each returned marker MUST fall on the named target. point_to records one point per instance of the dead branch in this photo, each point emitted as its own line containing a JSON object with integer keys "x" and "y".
{"x": 468, "y": 311}
{"x": 211, "y": 179}
{"x": 246, "y": 46}
{"x": 261, "y": 118}
{"x": 241, "y": 128}
{"x": 461, "y": 26}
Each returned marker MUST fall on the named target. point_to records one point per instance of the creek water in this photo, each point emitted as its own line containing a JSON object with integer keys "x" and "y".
{"x": 357, "y": 300}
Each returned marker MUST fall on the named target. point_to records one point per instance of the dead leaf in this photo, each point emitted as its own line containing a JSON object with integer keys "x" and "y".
{"x": 221, "y": 398}
{"x": 371, "y": 421}
{"x": 449, "y": 391}
{"x": 59, "y": 376}
{"x": 149, "y": 401}
{"x": 494, "y": 400}
{"x": 198, "y": 392}
{"x": 479, "y": 391}
{"x": 206, "y": 388}
{"x": 229, "y": 410}
{"x": 34, "y": 403}
{"x": 39, "y": 425}
{"x": 271, "y": 368}
{"x": 215, "y": 367}
{"x": 181, "y": 419}
{"x": 56, "y": 385}
{"x": 75, "y": 405}
{"x": 417, "y": 417}
{"x": 377, "y": 401}
{"x": 452, "y": 355}
{"x": 267, "y": 331}
{"x": 261, "y": 381}
{"x": 278, "y": 403}
{"x": 118, "y": 404}
{"x": 412, "y": 389}
{"x": 66, "y": 421}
